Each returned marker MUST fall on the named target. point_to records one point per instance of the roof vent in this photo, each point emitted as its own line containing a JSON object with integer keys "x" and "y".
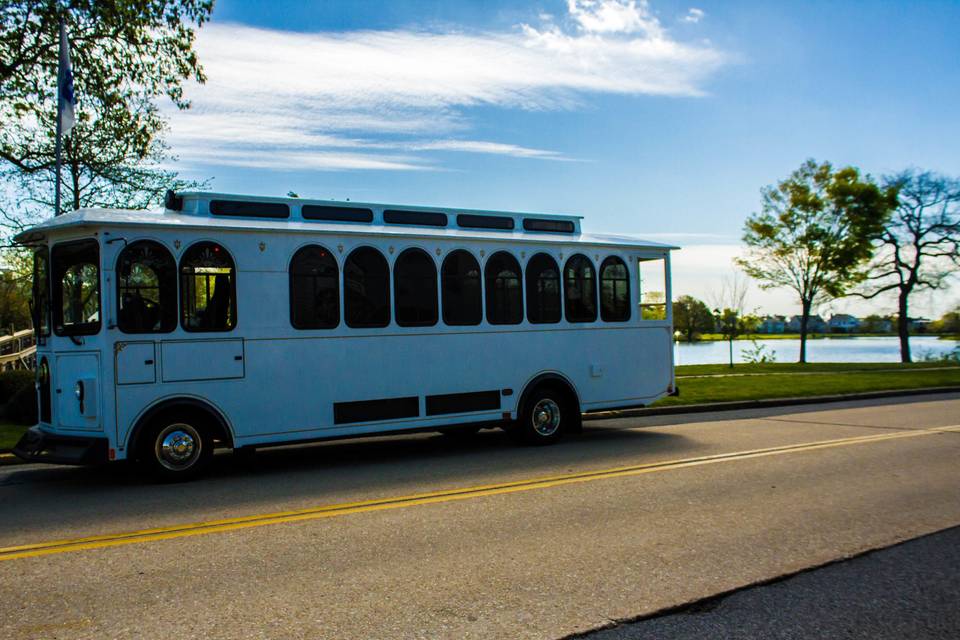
{"x": 426, "y": 218}
{"x": 470, "y": 221}
{"x": 552, "y": 226}
{"x": 247, "y": 209}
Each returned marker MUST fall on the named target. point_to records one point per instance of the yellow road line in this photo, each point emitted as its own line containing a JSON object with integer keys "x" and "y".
{"x": 399, "y": 502}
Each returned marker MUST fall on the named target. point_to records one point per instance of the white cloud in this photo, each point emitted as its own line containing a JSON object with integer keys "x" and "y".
{"x": 355, "y": 95}
{"x": 614, "y": 16}
{"x": 693, "y": 16}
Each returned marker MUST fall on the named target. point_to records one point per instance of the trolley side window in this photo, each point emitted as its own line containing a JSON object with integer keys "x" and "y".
{"x": 614, "y": 290}
{"x": 415, "y": 288}
{"x": 504, "y": 289}
{"x": 580, "y": 289}
{"x": 146, "y": 289}
{"x": 543, "y": 289}
{"x": 462, "y": 297}
{"x": 76, "y": 288}
{"x": 208, "y": 289}
{"x": 41, "y": 292}
{"x": 366, "y": 289}
{"x": 314, "y": 289}
{"x": 652, "y": 286}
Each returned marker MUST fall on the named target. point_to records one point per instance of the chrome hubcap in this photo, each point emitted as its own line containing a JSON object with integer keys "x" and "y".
{"x": 546, "y": 417}
{"x": 178, "y": 447}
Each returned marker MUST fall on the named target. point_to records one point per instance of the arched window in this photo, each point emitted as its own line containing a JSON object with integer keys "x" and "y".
{"x": 614, "y": 290}
{"x": 415, "y": 288}
{"x": 208, "y": 289}
{"x": 146, "y": 288}
{"x": 543, "y": 289}
{"x": 75, "y": 271}
{"x": 504, "y": 290}
{"x": 460, "y": 276}
{"x": 314, "y": 289}
{"x": 366, "y": 289}
{"x": 580, "y": 289}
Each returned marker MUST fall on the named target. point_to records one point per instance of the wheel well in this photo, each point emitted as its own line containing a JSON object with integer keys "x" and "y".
{"x": 188, "y": 409}
{"x": 549, "y": 380}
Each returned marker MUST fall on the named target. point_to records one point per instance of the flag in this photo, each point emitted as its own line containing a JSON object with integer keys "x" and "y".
{"x": 66, "y": 100}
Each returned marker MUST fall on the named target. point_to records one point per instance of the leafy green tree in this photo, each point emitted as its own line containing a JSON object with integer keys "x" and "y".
{"x": 126, "y": 56}
{"x": 919, "y": 248}
{"x": 875, "y": 323}
{"x": 949, "y": 323}
{"x": 14, "y": 302}
{"x": 691, "y": 317}
{"x": 814, "y": 234}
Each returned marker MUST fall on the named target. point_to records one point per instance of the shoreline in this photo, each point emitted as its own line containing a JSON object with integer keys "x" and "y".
{"x": 748, "y": 337}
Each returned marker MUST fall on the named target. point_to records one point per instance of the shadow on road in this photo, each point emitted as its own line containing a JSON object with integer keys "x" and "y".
{"x": 35, "y": 497}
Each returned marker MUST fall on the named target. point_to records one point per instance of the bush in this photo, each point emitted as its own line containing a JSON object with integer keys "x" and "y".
{"x": 12, "y": 382}
{"x": 22, "y": 408}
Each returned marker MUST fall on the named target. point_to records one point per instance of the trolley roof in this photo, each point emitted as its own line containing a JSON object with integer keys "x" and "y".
{"x": 232, "y": 212}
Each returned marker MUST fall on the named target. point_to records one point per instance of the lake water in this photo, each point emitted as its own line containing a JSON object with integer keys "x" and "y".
{"x": 886, "y": 349}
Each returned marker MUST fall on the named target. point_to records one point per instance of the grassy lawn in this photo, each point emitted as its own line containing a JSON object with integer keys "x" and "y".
{"x": 9, "y": 434}
{"x": 726, "y": 389}
{"x": 796, "y": 336}
{"x": 793, "y": 367}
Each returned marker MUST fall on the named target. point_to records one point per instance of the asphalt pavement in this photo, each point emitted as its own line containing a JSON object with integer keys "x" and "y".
{"x": 423, "y": 537}
{"x": 910, "y": 590}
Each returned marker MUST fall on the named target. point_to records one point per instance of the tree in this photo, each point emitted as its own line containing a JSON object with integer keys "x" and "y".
{"x": 691, "y": 317}
{"x": 949, "y": 323}
{"x": 730, "y": 319}
{"x": 919, "y": 248}
{"x": 14, "y": 305}
{"x": 814, "y": 234}
{"x": 875, "y": 323}
{"x": 125, "y": 55}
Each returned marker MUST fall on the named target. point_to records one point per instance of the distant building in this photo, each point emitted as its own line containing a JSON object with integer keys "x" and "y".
{"x": 918, "y": 325}
{"x": 815, "y": 324}
{"x": 843, "y": 323}
{"x": 772, "y": 324}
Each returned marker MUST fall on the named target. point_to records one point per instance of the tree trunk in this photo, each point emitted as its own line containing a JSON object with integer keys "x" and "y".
{"x": 903, "y": 328}
{"x": 804, "y": 319}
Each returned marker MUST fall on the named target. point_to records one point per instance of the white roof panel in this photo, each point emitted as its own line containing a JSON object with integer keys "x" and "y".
{"x": 171, "y": 219}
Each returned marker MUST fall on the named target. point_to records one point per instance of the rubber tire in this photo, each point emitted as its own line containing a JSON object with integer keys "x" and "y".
{"x": 147, "y": 458}
{"x": 522, "y": 429}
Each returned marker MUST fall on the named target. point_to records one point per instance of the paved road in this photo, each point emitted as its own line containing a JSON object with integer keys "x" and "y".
{"x": 909, "y": 590}
{"x": 418, "y": 537}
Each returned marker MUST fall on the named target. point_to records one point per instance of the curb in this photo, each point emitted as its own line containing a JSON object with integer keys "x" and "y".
{"x": 763, "y": 404}
{"x": 7, "y": 458}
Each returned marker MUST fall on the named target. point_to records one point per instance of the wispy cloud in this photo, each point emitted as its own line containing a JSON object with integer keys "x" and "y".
{"x": 395, "y": 99}
{"x": 693, "y": 16}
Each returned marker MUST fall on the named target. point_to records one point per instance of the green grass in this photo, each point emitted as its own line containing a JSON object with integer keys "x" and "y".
{"x": 728, "y": 389}
{"x": 9, "y": 434}
{"x": 793, "y": 367}
{"x": 712, "y": 337}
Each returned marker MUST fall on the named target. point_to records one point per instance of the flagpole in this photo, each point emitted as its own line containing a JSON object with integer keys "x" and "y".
{"x": 56, "y": 198}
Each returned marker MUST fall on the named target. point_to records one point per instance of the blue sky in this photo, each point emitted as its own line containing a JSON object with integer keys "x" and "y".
{"x": 662, "y": 119}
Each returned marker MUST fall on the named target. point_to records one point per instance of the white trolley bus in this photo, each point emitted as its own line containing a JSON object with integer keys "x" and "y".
{"x": 240, "y": 322}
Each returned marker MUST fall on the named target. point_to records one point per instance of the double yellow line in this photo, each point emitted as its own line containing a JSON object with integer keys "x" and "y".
{"x": 449, "y": 495}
